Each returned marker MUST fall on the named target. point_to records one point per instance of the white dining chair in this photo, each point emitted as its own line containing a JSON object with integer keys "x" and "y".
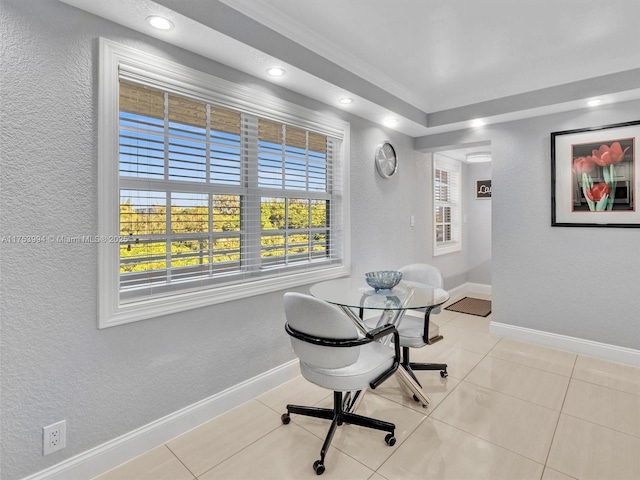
{"x": 416, "y": 330}
{"x": 333, "y": 355}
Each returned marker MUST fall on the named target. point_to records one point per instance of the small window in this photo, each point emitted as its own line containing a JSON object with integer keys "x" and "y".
{"x": 446, "y": 201}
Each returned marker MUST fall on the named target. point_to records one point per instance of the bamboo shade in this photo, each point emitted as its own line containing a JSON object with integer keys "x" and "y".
{"x": 187, "y": 112}
{"x": 225, "y": 120}
{"x": 269, "y": 131}
{"x": 317, "y": 142}
{"x": 141, "y": 100}
{"x": 296, "y": 137}
{"x": 191, "y": 112}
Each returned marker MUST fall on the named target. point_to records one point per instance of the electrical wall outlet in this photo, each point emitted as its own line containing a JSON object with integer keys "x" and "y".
{"x": 54, "y": 437}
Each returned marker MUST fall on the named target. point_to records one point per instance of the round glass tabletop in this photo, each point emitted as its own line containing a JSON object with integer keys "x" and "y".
{"x": 355, "y": 293}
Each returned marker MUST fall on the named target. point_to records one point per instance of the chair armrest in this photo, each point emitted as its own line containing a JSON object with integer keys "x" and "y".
{"x": 427, "y": 314}
{"x": 326, "y": 342}
{"x": 383, "y": 331}
{"x": 370, "y": 337}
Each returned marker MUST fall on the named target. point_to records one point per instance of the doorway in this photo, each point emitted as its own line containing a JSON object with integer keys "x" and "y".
{"x": 476, "y": 198}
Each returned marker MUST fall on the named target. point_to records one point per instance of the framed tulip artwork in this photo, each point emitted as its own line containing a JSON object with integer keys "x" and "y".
{"x": 594, "y": 181}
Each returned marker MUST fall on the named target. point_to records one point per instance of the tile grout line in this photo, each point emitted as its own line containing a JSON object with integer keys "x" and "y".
{"x": 240, "y": 450}
{"x": 359, "y": 461}
{"x": 514, "y": 397}
{"x": 555, "y": 430}
{"x": 484, "y": 439}
{"x": 467, "y": 374}
{"x": 429, "y": 415}
{"x": 501, "y": 393}
{"x": 400, "y": 446}
{"x": 601, "y": 426}
{"x": 181, "y": 462}
{"x": 346, "y": 453}
{"x": 436, "y": 407}
{"x": 531, "y": 366}
{"x": 606, "y": 386}
{"x": 489, "y": 442}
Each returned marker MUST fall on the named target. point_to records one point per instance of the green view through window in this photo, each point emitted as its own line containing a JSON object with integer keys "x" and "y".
{"x": 208, "y": 192}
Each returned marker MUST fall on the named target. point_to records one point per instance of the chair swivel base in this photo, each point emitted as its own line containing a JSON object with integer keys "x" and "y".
{"x": 428, "y": 366}
{"x": 338, "y": 416}
{"x": 411, "y": 366}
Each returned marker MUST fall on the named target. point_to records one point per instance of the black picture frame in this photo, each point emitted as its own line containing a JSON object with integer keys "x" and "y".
{"x": 594, "y": 176}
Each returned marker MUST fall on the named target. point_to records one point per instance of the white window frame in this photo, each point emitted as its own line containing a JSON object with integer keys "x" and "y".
{"x": 116, "y": 58}
{"x": 454, "y": 168}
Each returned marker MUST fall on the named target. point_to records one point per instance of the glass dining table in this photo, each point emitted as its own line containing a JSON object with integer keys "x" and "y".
{"x": 354, "y": 297}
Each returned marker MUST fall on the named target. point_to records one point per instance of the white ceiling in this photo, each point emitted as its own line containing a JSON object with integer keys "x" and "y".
{"x": 439, "y": 54}
{"x": 435, "y": 65}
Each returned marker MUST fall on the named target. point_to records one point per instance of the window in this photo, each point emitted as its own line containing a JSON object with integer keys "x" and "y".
{"x": 446, "y": 201}
{"x": 213, "y": 192}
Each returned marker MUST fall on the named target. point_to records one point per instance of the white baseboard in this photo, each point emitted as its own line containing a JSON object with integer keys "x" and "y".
{"x": 104, "y": 457}
{"x": 581, "y": 346}
{"x": 479, "y": 288}
{"x": 468, "y": 287}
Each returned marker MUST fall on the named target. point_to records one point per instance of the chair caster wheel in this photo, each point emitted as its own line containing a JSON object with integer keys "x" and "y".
{"x": 416, "y": 398}
{"x": 444, "y": 374}
{"x": 318, "y": 467}
{"x": 390, "y": 439}
{"x": 286, "y": 418}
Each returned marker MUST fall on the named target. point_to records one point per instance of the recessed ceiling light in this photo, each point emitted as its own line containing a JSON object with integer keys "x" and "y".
{"x": 479, "y": 157}
{"x": 390, "y": 122}
{"x": 594, "y": 102}
{"x": 276, "y": 71}
{"x": 346, "y": 100}
{"x": 160, "y": 23}
{"x": 478, "y": 122}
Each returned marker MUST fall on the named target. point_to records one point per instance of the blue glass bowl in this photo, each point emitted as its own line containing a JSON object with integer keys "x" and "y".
{"x": 383, "y": 279}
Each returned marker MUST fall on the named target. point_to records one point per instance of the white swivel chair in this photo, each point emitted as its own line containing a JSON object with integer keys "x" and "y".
{"x": 333, "y": 355}
{"x": 415, "y": 329}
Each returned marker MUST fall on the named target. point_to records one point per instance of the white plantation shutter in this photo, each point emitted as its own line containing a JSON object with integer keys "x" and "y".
{"x": 447, "y": 205}
{"x": 210, "y": 195}
{"x": 295, "y": 185}
{"x": 210, "y": 191}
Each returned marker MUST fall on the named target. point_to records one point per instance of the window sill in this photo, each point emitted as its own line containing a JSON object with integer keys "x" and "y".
{"x": 156, "y": 307}
{"x": 445, "y": 249}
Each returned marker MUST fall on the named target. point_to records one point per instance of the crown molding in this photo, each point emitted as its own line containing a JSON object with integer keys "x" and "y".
{"x": 286, "y": 26}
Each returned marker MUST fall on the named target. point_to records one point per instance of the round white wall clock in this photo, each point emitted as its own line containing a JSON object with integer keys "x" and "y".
{"x": 386, "y": 160}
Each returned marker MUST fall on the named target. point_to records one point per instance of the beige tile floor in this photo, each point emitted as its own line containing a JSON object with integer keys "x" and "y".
{"x": 508, "y": 410}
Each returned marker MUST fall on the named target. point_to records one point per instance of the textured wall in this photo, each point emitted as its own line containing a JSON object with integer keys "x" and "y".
{"x": 478, "y": 225}
{"x": 381, "y": 232}
{"x": 581, "y": 282}
{"x": 381, "y": 235}
{"x": 56, "y": 364}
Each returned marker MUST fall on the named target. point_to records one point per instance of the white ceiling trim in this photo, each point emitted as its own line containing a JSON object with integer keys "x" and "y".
{"x": 282, "y": 23}
{"x": 216, "y": 46}
{"x": 192, "y": 35}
